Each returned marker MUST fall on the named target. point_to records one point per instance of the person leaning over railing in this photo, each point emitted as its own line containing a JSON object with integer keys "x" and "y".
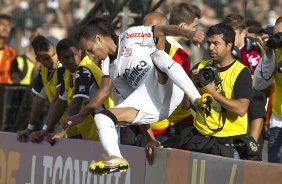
{"x": 82, "y": 78}
{"x": 268, "y": 71}
{"x": 47, "y": 84}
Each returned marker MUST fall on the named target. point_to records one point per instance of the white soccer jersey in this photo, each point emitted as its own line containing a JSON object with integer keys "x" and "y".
{"x": 133, "y": 59}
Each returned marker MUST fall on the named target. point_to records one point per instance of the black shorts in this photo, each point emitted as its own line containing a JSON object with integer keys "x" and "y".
{"x": 257, "y": 106}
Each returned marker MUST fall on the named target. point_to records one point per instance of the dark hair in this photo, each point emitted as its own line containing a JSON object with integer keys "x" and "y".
{"x": 40, "y": 43}
{"x": 184, "y": 12}
{"x": 65, "y": 44}
{"x": 5, "y": 16}
{"x": 253, "y": 23}
{"x": 94, "y": 27}
{"x": 236, "y": 21}
{"x": 278, "y": 20}
{"x": 226, "y": 30}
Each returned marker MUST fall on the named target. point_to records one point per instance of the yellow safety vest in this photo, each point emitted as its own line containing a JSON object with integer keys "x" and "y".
{"x": 26, "y": 67}
{"x": 87, "y": 129}
{"x": 277, "y": 103}
{"x": 50, "y": 82}
{"x": 234, "y": 124}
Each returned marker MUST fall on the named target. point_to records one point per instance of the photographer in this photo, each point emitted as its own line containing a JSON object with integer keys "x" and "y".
{"x": 268, "y": 70}
{"x": 249, "y": 57}
{"x": 220, "y": 131}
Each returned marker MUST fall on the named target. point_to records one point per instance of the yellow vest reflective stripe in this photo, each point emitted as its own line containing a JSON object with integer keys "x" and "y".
{"x": 277, "y": 103}
{"x": 234, "y": 124}
{"x": 26, "y": 67}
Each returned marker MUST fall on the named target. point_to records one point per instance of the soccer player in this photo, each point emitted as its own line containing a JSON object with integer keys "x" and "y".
{"x": 151, "y": 83}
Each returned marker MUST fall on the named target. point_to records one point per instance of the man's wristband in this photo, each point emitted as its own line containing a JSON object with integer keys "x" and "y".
{"x": 30, "y": 126}
{"x": 44, "y": 127}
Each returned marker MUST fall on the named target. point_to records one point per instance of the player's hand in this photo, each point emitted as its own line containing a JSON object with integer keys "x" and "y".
{"x": 37, "y": 137}
{"x": 196, "y": 37}
{"x": 51, "y": 138}
{"x": 22, "y": 136}
{"x": 149, "y": 150}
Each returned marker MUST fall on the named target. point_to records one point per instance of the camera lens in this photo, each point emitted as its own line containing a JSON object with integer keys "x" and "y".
{"x": 207, "y": 75}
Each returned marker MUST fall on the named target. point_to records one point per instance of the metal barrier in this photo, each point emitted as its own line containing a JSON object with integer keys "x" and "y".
{"x": 15, "y": 107}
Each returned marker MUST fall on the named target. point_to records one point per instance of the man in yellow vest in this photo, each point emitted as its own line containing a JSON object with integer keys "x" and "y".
{"x": 269, "y": 70}
{"x": 47, "y": 85}
{"x": 79, "y": 76}
{"x": 223, "y": 130}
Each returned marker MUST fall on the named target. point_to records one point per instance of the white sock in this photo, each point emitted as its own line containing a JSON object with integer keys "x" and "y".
{"x": 176, "y": 73}
{"x": 107, "y": 134}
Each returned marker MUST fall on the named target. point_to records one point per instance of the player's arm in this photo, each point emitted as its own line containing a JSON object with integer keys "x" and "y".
{"x": 55, "y": 111}
{"x": 173, "y": 30}
{"x": 152, "y": 142}
{"x": 36, "y": 109}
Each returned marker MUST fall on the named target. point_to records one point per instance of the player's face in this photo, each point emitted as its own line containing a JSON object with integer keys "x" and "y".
{"x": 70, "y": 58}
{"x": 95, "y": 49}
{"x": 48, "y": 58}
{"x": 217, "y": 48}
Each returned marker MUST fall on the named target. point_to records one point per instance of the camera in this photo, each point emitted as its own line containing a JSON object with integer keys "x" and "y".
{"x": 251, "y": 44}
{"x": 207, "y": 75}
{"x": 275, "y": 41}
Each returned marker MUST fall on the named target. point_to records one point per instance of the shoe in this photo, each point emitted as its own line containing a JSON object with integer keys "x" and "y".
{"x": 109, "y": 165}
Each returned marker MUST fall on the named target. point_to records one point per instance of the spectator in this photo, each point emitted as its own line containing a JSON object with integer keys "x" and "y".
{"x": 250, "y": 59}
{"x": 77, "y": 92}
{"x": 270, "y": 70}
{"x": 7, "y": 54}
{"x": 217, "y": 132}
{"x": 47, "y": 85}
{"x": 24, "y": 69}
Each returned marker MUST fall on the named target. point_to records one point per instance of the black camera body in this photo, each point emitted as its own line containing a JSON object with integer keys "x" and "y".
{"x": 273, "y": 42}
{"x": 251, "y": 44}
{"x": 207, "y": 75}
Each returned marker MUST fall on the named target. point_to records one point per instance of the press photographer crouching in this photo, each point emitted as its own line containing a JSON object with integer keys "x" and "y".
{"x": 223, "y": 130}
{"x": 267, "y": 72}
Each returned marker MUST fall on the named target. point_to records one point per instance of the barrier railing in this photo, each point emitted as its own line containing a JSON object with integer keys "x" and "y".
{"x": 67, "y": 163}
{"x": 15, "y": 107}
